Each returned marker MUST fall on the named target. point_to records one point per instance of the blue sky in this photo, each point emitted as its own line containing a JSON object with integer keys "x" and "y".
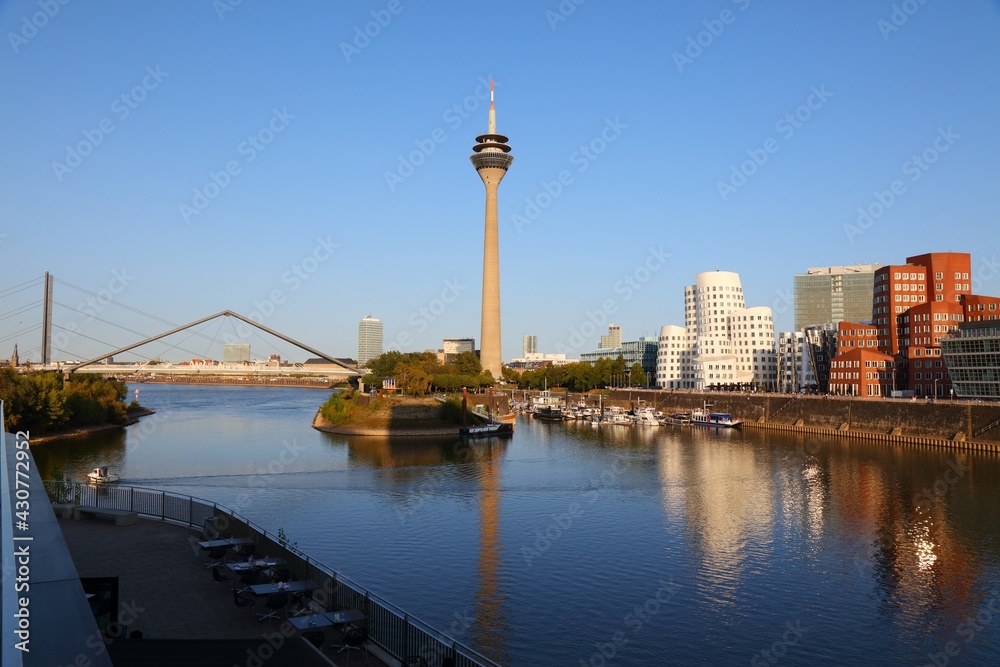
{"x": 272, "y": 158}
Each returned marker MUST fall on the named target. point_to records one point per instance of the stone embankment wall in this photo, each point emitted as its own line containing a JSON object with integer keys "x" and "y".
{"x": 899, "y": 420}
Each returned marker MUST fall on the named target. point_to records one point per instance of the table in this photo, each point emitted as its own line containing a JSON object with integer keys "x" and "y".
{"x": 290, "y": 587}
{"x": 326, "y": 619}
{"x": 229, "y": 542}
{"x": 256, "y": 564}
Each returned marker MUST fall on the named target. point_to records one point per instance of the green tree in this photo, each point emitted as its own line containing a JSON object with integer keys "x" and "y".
{"x": 637, "y": 376}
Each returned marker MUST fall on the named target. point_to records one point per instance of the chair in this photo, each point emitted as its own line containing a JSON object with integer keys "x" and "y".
{"x": 244, "y": 599}
{"x": 249, "y": 578}
{"x": 275, "y": 601}
{"x": 217, "y": 555}
{"x": 245, "y": 551}
{"x": 217, "y": 575}
{"x": 314, "y": 637}
{"x": 354, "y": 639}
{"x": 282, "y": 575}
{"x": 415, "y": 661}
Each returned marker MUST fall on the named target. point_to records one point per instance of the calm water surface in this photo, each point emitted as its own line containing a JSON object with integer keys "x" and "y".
{"x": 570, "y": 545}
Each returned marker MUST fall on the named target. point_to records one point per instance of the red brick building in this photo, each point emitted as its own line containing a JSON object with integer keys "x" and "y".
{"x": 862, "y": 371}
{"x": 914, "y": 305}
{"x": 977, "y": 308}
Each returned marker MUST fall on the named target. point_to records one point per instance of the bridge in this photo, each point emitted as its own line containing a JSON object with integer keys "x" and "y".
{"x": 335, "y": 366}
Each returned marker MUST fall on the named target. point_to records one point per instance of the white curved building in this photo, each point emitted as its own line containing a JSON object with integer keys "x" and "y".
{"x": 725, "y": 343}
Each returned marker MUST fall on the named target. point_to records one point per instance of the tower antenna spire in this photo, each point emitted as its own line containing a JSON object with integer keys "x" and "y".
{"x": 492, "y": 126}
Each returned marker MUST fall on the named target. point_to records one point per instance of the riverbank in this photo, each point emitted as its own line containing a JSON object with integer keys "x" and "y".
{"x": 396, "y": 417}
{"x": 134, "y": 414}
{"x": 302, "y": 383}
{"x": 958, "y": 424}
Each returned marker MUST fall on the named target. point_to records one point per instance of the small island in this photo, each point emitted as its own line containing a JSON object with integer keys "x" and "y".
{"x": 354, "y": 413}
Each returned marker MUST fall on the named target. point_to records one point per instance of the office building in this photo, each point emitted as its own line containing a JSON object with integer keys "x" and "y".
{"x": 236, "y": 353}
{"x": 612, "y": 340}
{"x": 642, "y": 352}
{"x": 972, "y": 358}
{"x": 529, "y": 345}
{"x": 725, "y": 344}
{"x": 452, "y": 347}
{"x": 832, "y": 294}
{"x": 369, "y": 339}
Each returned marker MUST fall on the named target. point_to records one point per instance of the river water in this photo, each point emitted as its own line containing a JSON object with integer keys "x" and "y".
{"x": 572, "y": 545}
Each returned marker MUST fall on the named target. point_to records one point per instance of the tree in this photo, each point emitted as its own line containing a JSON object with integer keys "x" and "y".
{"x": 637, "y": 376}
{"x": 467, "y": 363}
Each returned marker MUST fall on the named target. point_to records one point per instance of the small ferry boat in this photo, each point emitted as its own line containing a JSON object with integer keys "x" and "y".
{"x": 103, "y": 475}
{"x": 703, "y": 417}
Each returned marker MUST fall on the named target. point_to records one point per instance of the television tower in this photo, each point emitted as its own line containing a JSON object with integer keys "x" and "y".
{"x": 492, "y": 158}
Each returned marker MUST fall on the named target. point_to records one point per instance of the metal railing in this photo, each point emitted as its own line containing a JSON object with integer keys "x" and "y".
{"x": 397, "y": 633}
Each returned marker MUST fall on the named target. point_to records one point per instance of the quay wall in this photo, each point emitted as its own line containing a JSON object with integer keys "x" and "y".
{"x": 904, "y": 421}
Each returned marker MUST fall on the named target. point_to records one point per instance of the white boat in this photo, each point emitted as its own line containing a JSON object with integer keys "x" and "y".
{"x": 704, "y": 417}
{"x": 617, "y": 417}
{"x": 103, "y": 475}
{"x": 646, "y": 417}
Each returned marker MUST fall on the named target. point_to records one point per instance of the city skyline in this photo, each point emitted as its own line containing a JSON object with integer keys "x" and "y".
{"x": 190, "y": 170}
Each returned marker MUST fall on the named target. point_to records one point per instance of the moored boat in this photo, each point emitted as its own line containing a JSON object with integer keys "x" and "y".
{"x": 703, "y": 417}
{"x": 103, "y": 475}
{"x": 496, "y": 429}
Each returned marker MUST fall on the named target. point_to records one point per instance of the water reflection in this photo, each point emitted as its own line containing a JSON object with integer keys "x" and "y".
{"x": 882, "y": 552}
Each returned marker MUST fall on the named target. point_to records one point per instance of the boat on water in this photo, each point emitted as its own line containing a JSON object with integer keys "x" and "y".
{"x": 495, "y": 429}
{"x": 646, "y": 416}
{"x": 103, "y": 475}
{"x": 678, "y": 419}
{"x": 547, "y": 407}
{"x": 550, "y": 413}
{"x": 704, "y": 417}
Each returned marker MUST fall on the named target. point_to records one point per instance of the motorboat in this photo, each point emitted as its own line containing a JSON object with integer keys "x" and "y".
{"x": 678, "y": 419}
{"x": 704, "y": 417}
{"x": 646, "y": 416}
{"x": 103, "y": 475}
{"x": 495, "y": 429}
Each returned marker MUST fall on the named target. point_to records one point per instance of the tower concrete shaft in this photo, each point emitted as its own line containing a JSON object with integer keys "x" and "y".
{"x": 491, "y": 159}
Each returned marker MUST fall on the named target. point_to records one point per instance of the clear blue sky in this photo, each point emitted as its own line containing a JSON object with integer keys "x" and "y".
{"x": 332, "y": 114}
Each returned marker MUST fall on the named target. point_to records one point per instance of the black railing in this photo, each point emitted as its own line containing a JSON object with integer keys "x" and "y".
{"x": 390, "y": 628}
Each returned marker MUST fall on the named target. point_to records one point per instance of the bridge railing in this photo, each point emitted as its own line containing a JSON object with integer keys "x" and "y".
{"x": 393, "y": 630}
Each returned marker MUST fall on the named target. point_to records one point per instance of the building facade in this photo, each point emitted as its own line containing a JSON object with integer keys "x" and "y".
{"x": 642, "y": 352}
{"x": 235, "y": 353}
{"x": 612, "y": 340}
{"x": 452, "y": 347}
{"x": 972, "y": 357}
{"x": 369, "y": 339}
{"x": 725, "y": 344}
{"x": 861, "y": 372}
{"x": 796, "y": 372}
{"x": 529, "y": 345}
{"x": 832, "y": 294}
